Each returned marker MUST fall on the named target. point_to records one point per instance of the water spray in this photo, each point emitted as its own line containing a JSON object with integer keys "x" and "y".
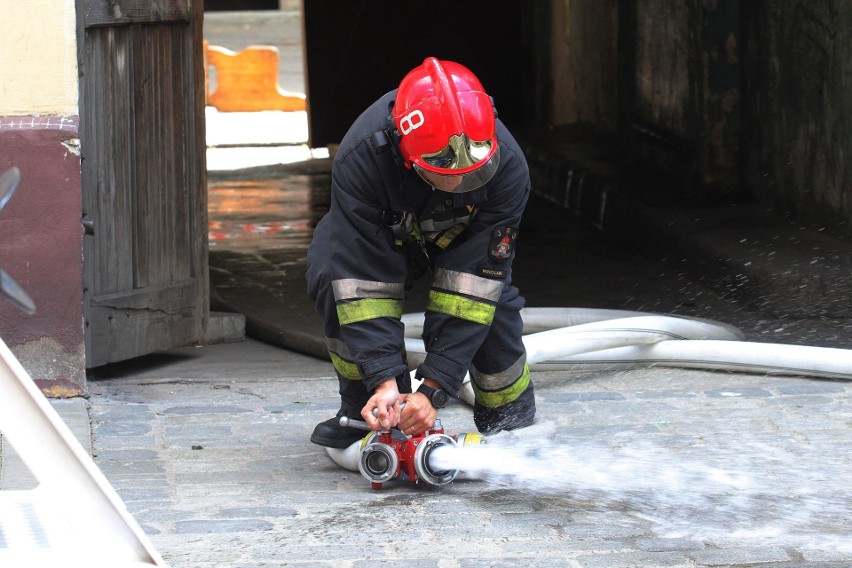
{"x": 742, "y": 491}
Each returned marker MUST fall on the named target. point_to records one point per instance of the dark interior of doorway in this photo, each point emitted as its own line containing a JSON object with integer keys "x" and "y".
{"x": 234, "y": 5}
{"x": 359, "y": 50}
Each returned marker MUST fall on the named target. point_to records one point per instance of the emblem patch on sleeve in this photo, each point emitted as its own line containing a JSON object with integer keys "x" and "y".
{"x": 503, "y": 243}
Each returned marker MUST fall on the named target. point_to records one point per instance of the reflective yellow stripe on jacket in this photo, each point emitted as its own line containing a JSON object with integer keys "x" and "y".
{"x": 479, "y": 309}
{"x": 362, "y": 310}
{"x": 347, "y": 369}
{"x": 338, "y": 352}
{"x": 361, "y": 300}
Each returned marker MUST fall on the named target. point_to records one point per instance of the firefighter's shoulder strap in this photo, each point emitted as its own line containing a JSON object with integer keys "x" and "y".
{"x": 400, "y": 217}
{"x": 386, "y": 141}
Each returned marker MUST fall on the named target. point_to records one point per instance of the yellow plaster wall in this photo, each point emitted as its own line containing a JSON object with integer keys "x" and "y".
{"x": 38, "y": 58}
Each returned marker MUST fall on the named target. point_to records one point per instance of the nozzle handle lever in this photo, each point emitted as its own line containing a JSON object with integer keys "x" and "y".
{"x": 347, "y": 422}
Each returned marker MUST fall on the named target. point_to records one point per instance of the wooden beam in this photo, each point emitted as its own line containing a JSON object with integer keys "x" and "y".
{"x": 117, "y": 12}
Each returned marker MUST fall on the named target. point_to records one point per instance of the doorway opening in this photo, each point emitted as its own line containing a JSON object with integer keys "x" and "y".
{"x": 267, "y": 186}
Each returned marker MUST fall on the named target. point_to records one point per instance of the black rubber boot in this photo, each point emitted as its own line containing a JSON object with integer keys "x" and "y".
{"x": 519, "y": 413}
{"x": 332, "y": 435}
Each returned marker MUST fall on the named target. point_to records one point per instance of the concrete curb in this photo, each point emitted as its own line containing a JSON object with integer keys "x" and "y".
{"x": 225, "y": 327}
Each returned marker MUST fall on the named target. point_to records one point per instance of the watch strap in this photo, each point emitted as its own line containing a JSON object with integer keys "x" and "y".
{"x": 430, "y": 394}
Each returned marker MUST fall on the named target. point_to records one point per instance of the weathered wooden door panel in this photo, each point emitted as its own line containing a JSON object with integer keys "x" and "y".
{"x": 144, "y": 183}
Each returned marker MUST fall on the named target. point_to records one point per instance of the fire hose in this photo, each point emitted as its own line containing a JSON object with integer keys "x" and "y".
{"x": 586, "y": 339}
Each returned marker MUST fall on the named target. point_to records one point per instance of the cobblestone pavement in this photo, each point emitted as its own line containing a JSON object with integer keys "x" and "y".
{"x": 652, "y": 467}
{"x": 209, "y": 446}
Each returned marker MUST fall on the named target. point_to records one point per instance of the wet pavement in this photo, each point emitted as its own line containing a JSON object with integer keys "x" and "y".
{"x": 259, "y": 235}
{"x": 209, "y": 449}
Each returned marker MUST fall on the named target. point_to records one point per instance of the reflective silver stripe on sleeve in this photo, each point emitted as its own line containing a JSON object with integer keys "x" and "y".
{"x": 468, "y": 284}
{"x": 354, "y": 289}
{"x": 499, "y": 380}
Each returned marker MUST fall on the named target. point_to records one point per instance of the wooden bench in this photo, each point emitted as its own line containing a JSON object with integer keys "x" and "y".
{"x": 247, "y": 81}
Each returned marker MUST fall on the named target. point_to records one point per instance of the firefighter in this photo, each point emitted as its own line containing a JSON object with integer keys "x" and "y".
{"x": 427, "y": 180}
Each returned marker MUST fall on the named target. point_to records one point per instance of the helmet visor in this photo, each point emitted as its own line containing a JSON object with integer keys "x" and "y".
{"x": 460, "y": 182}
{"x": 460, "y": 152}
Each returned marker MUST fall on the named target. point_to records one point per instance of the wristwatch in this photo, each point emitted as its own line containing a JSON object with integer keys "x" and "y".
{"x": 438, "y": 397}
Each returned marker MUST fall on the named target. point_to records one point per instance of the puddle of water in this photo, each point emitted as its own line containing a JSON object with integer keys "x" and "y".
{"x": 261, "y": 215}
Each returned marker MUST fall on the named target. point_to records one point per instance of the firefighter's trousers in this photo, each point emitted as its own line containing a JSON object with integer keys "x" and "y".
{"x": 504, "y": 392}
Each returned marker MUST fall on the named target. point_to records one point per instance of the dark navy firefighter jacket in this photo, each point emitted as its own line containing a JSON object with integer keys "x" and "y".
{"x": 383, "y": 218}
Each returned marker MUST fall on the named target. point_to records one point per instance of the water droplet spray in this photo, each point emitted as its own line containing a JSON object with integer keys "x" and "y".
{"x": 708, "y": 490}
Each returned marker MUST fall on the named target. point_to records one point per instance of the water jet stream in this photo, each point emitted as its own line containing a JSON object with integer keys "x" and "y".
{"x": 709, "y": 491}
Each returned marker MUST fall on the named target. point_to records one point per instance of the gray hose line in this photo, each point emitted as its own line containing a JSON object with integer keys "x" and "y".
{"x": 543, "y": 319}
{"x": 595, "y": 336}
{"x": 740, "y": 356}
{"x": 556, "y": 344}
{"x": 577, "y": 338}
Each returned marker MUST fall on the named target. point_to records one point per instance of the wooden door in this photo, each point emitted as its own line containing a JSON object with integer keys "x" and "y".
{"x": 144, "y": 176}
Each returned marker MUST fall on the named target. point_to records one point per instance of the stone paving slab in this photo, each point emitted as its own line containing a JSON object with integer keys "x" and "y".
{"x": 14, "y": 474}
{"x": 647, "y": 467}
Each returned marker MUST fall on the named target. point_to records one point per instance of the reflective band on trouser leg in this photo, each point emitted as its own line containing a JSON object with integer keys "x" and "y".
{"x": 367, "y": 309}
{"x": 463, "y": 308}
{"x": 495, "y": 399}
{"x": 346, "y": 369}
{"x": 502, "y": 379}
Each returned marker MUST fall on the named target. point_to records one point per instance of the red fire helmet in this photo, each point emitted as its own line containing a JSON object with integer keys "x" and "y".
{"x": 446, "y": 125}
